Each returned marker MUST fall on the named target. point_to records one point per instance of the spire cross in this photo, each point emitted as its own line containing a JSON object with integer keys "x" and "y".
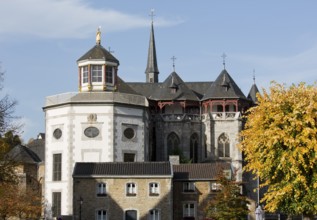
{"x": 254, "y": 76}
{"x": 152, "y": 14}
{"x": 109, "y": 50}
{"x": 173, "y": 58}
{"x": 224, "y": 60}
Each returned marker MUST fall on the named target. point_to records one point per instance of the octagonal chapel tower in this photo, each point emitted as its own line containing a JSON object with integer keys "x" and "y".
{"x": 106, "y": 121}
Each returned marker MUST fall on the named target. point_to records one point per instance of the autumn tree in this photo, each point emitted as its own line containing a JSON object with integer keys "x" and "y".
{"x": 280, "y": 146}
{"x": 229, "y": 203}
{"x": 8, "y": 136}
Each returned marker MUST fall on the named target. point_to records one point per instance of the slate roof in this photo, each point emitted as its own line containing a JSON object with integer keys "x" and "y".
{"x": 252, "y": 94}
{"x": 124, "y": 87}
{"x": 38, "y": 147}
{"x": 199, "y": 171}
{"x": 23, "y": 154}
{"x": 224, "y": 87}
{"x": 137, "y": 169}
{"x": 145, "y": 89}
{"x": 98, "y": 52}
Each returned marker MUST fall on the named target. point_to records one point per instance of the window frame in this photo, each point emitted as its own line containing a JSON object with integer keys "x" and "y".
{"x": 101, "y": 216}
{"x": 223, "y": 146}
{"x": 109, "y": 75}
{"x": 57, "y": 167}
{"x": 187, "y": 210}
{"x": 96, "y": 73}
{"x": 154, "y": 190}
{"x": 85, "y": 73}
{"x": 56, "y": 204}
{"x": 131, "y": 189}
{"x": 189, "y": 187}
{"x": 101, "y": 189}
{"x": 156, "y": 215}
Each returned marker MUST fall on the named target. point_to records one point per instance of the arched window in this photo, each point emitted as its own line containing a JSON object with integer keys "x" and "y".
{"x": 194, "y": 148}
{"x": 223, "y": 146}
{"x": 172, "y": 144}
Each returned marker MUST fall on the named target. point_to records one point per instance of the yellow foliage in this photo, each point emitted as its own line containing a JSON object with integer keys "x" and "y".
{"x": 280, "y": 146}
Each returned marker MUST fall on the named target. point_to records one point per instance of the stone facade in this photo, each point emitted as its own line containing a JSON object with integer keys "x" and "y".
{"x": 116, "y": 201}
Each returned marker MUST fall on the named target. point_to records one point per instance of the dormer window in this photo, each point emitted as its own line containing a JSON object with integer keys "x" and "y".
{"x": 84, "y": 70}
{"x": 109, "y": 74}
{"x": 96, "y": 73}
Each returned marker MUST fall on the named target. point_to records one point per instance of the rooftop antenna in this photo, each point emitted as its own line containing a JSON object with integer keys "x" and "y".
{"x": 98, "y": 36}
{"x": 152, "y": 15}
{"x": 224, "y": 60}
{"x": 173, "y": 58}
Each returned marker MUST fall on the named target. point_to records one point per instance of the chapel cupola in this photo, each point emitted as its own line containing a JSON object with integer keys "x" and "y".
{"x": 97, "y": 69}
{"x": 151, "y": 67}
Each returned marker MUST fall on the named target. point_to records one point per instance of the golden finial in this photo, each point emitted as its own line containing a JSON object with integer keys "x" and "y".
{"x": 98, "y": 36}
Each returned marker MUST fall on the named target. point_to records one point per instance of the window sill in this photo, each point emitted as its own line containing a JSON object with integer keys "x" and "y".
{"x": 154, "y": 194}
{"x": 131, "y": 194}
{"x": 101, "y": 195}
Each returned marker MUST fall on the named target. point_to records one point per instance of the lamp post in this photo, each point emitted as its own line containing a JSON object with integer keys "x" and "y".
{"x": 81, "y": 201}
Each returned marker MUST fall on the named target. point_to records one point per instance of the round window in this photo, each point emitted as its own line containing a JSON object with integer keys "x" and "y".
{"x": 91, "y": 132}
{"x": 129, "y": 133}
{"x": 57, "y": 133}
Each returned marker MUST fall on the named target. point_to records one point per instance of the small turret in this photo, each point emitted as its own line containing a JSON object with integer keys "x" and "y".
{"x": 97, "y": 69}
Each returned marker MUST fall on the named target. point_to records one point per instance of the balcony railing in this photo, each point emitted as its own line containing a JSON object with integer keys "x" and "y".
{"x": 180, "y": 117}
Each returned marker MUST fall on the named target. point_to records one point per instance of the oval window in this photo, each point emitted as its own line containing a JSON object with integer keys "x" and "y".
{"x": 91, "y": 132}
{"x": 129, "y": 133}
{"x": 57, "y": 133}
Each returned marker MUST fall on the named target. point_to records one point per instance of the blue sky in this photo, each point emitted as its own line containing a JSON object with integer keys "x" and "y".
{"x": 40, "y": 41}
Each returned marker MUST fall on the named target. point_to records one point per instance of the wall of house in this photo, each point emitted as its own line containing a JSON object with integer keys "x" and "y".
{"x": 117, "y": 202}
{"x": 199, "y": 197}
{"x": 108, "y": 146}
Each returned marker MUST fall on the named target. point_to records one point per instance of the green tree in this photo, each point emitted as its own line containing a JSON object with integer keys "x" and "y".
{"x": 280, "y": 145}
{"x": 228, "y": 204}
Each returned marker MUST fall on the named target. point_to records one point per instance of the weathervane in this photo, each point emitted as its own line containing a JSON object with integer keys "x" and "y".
{"x": 224, "y": 60}
{"x": 152, "y": 14}
{"x": 173, "y": 58}
{"x": 109, "y": 50}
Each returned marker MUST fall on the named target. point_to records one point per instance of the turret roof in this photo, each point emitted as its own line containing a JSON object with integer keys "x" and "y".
{"x": 98, "y": 52}
{"x": 224, "y": 87}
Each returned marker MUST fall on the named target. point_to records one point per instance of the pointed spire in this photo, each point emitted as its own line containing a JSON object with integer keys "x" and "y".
{"x": 151, "y": 68}
{"x": 253, "y": 91}
{"x": 98, "y": 36}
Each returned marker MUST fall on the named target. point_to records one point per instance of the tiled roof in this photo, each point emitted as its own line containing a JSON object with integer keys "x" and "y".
{"x": 224, "y": 87}
{"x": 123, "y": 169}
{"x": 23, "y": 154}
{"x": 98, "y": 52}
{"x": 199, "y": 171}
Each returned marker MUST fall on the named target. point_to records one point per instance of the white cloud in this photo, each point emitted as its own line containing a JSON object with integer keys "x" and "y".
{"x": 65, "y": 19}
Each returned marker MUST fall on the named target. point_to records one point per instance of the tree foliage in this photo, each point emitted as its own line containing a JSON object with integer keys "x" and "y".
{"x": 280, "y": 144}
{"x": 7, "y": 164}
{"x": 228, "y": 204}
{"x": 15, "y": 201}
{"x": 7, "y": 108}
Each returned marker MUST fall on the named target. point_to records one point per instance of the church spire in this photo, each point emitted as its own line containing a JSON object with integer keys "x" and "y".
{"x": 151, "y": 68}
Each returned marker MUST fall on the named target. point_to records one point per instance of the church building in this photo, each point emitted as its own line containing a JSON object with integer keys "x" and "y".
{"x": 110, "y": 120}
